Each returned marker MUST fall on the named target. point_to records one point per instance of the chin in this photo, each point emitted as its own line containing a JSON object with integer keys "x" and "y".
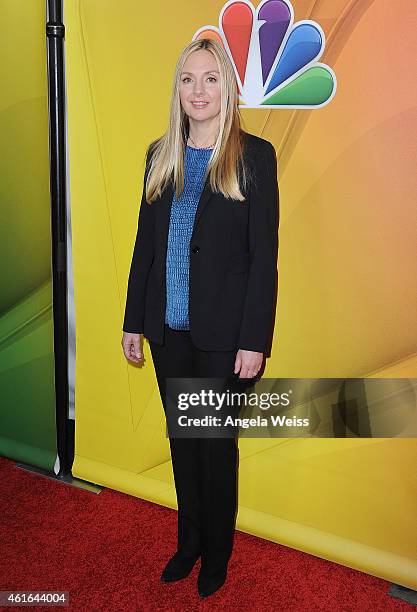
{"x": 198, "y": 116}
{"x": 202, "y": 114}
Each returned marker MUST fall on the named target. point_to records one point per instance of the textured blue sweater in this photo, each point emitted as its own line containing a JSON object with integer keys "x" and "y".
{"x": 179, "y": 235}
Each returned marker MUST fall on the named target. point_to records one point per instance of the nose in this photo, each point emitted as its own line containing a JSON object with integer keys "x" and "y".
{"x": 198, "y": 87}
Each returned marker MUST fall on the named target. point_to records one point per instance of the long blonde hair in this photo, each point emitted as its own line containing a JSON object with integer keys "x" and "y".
{"x": 225, "y": 167}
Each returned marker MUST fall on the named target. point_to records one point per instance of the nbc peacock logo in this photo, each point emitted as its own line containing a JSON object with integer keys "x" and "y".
{"x": 274, "y": 59}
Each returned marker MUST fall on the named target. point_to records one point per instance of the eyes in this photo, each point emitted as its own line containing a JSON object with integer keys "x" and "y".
{"x": 211, "y": 79}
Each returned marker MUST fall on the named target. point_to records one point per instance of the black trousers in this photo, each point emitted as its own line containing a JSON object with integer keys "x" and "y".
{"x": 205, "y": 470}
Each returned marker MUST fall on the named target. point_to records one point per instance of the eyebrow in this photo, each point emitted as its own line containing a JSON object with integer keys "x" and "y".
{"x": 206, "y": 72}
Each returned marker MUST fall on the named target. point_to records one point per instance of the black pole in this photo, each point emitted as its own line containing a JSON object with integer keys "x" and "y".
{"x": 55, "y": 34}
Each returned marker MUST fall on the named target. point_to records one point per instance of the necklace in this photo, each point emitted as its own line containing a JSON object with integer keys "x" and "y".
{"x": 211, "y": 146}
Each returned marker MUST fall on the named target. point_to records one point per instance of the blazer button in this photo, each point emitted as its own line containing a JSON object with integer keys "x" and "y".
{"x": 196, "y": 249}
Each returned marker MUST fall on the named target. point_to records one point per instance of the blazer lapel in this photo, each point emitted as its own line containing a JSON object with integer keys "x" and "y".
{"x": 165, "y": 204}
{"x": 203, "y": 201}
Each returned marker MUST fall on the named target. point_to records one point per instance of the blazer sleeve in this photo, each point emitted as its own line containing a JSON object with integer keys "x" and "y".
{"x": 259, "y": 307}
{"x": 143, "y": 254}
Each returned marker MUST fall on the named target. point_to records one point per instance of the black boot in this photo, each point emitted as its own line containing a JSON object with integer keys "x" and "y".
{"x": 178, "y": 567}
{"x": 209, "y": 584}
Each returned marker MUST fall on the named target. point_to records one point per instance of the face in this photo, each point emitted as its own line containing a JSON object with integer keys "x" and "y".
{"x": 200, "y": 86}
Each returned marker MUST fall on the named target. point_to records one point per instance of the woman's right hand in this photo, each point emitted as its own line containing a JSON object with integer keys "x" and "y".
{"x": 132, "y": 347}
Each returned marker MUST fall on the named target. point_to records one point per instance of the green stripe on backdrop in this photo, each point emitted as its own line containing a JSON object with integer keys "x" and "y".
{"x": 27, "y": 415}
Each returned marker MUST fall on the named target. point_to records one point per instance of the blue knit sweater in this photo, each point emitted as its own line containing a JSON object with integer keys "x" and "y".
{"x": 179, "y": 235}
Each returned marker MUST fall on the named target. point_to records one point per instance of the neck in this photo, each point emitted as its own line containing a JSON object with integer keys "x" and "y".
{"x": 204, "y": 134}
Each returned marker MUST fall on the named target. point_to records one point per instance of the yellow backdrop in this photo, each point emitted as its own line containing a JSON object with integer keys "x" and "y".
{"x": 346, "y": 301}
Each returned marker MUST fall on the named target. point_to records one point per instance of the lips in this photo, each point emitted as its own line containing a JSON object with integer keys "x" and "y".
{"x": 198, "y": 104}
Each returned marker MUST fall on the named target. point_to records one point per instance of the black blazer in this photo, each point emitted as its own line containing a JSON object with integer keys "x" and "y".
{"x": 233, "y": 275}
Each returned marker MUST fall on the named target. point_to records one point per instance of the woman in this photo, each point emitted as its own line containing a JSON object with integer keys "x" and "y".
{"x": 202, "y": 284}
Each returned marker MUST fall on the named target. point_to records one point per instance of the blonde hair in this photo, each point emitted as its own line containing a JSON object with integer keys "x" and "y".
{"x": 225, "y": 167}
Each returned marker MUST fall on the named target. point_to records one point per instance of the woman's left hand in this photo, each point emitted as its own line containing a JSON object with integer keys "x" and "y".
{"x": 248, "y": 362}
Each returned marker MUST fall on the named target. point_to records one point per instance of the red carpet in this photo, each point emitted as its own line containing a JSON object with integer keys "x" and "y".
{"x": 108, "y": 551}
